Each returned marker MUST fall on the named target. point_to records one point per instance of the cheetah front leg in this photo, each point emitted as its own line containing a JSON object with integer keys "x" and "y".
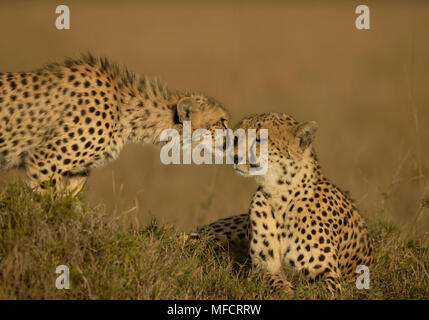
{"x": 75, "y": 183}
{"x": 324, "y": 266}
{"x": 39, "y": 179}
{"x": 265, "y": 250}
{"x": 45, "y": 171}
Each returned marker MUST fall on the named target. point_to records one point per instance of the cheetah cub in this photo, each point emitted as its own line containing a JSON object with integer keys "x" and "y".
{"x": 62, "y": 121}
{"x": 296, "y": 217}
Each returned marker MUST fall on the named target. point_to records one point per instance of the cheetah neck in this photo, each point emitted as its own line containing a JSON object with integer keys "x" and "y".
{"x": 144, "y": 116}
{"x": 290, "y": 179}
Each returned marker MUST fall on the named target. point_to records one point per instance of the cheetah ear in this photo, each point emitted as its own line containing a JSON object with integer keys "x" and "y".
{"x": 185, "y": 107}
{"x": 305, "y": 132}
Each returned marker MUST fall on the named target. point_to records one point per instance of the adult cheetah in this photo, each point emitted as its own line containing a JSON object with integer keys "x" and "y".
{"x": 296, "y": 216}
{"x": 67, "y": 118}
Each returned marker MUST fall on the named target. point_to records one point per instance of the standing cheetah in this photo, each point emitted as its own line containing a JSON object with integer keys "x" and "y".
{"x": 67, "y": 118}
{"x": 296, "y": 216}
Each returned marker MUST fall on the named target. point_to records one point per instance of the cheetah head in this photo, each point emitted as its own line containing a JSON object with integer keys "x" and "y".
{"x": 205, "y": 114}
{"x": 289, "y": 146}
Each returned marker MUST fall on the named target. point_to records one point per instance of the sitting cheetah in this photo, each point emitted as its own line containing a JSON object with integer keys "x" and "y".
{"x": 296, "y": 216}
{"x": 67, "y": 118}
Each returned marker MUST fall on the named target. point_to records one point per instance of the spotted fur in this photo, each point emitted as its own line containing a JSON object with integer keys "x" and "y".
{"x": 62, "y": 121}
{"x": 297, "y": 216}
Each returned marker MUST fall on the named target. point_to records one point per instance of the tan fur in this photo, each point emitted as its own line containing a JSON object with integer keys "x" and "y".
{"x": 296, "y": 217}
{"x": 65, "y": 119}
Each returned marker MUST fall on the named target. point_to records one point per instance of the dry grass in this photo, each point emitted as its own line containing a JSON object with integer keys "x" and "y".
{"x": 366, "y": 89}
{"x": 114, "y": 259}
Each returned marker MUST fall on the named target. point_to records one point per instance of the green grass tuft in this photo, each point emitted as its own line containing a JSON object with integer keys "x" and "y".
{"x": 111, "y": 259}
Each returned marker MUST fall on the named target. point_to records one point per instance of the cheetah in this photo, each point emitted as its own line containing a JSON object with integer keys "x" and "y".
{"x": 65, "y": 119}
{"x": 297, "y": 216}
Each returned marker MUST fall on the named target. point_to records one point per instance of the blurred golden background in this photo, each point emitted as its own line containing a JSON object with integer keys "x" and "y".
{"x": 368, "y": 90}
